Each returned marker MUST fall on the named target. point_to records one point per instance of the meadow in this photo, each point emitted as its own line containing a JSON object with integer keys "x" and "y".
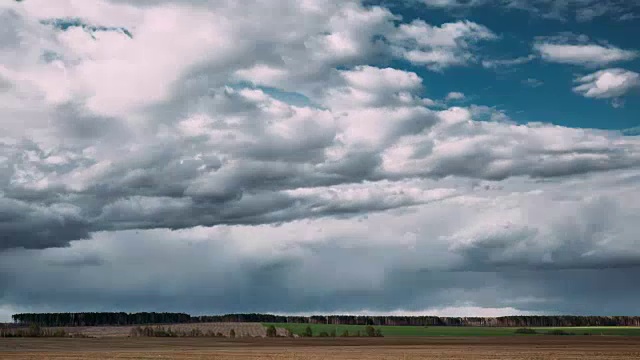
{"x": 456, "y": 331}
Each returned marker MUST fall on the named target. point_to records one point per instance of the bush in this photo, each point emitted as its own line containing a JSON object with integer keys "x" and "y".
{"x": 526, "y": 331}
{"x": 308, "y": 332}
{"x": 271, "y": 331}
{"x": 289, "y": 332}
{"x": 232, "y": 333}
{"x": 370, "y": 331}
{"x": 345, "y": 333}
{"x": 324, "y": 334}
{"x": 559, "y": 332}
{"x": 35, "y": 330}
{"x": 379, "y": 333}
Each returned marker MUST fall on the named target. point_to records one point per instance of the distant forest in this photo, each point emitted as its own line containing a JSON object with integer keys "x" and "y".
{"x": 144, "y": 318}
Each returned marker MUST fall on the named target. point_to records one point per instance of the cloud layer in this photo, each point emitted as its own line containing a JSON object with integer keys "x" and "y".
{"x": 583, "y": 54}
{"x": 156, "y": 149}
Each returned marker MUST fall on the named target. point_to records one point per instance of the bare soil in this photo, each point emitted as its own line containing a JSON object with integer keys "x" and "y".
{"x": 512, "y": 348}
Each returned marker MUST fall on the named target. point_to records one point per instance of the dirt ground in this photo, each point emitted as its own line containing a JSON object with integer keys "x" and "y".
{"x": 512, "y": 348}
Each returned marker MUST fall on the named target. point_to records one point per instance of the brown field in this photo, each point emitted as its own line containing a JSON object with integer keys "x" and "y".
{"x": 241, "y": 329}
{"x": 512, "y": 348}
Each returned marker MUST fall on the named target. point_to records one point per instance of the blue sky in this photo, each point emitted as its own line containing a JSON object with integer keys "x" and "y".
{"x": 440, "y": 157}
{"x": 552, "y": 101}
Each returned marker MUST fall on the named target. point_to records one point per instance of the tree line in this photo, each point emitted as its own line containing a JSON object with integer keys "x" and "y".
{"x": 144, "y": 318}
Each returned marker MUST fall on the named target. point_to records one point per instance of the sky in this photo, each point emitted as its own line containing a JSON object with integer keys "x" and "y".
{"x": 441, "y": 157}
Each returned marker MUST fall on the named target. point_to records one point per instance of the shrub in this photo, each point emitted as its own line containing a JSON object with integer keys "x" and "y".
{"x": 379, "y": 333}
{"x": 232, "y": 333}
{"x": 559, "y": 332}
{"x": 370, "y": 331}
{"x": 345, "y": 333}
{"x": 526, "y": 331}
{"x": 271, "y": 331}
{"x": 308, "y": 332}
{"x": 333, "y": 333}
{"x": 34, "y": 330}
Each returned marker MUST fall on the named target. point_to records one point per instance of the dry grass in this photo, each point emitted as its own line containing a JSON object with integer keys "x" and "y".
{"x": 241, "y": 329}
{"x": 524, "y": 348}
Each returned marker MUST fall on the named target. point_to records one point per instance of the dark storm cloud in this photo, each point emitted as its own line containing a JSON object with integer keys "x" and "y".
{"x": 34, "y": 226}
{"x": 283, "y": 286}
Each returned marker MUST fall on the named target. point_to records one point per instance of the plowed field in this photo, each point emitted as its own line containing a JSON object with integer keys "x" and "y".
{"x": 512, "y": 348}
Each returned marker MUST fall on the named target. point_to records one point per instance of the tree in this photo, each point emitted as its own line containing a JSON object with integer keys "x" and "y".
{"x": 34, "y": 330}
{"x": 379, "y": 333}
{"x": 271, "y": 331}
{"x": 232, "y": 333}
{"x": 333, "y": 333}
{"x": 370, "y": 331}
{"x": 307, "y": 332}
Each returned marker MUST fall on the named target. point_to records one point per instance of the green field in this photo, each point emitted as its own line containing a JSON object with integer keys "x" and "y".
{"x": 455, "y": 330}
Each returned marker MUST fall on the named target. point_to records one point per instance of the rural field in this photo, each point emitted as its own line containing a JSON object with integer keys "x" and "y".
{"x": 388, "y": 348}
{"x": 241, "y": 329}
{"x": 457, "y": 330}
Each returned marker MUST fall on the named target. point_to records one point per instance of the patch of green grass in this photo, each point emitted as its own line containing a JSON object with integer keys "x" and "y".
{"x": 595, "y": 330}
{"x": 456, "y": 330}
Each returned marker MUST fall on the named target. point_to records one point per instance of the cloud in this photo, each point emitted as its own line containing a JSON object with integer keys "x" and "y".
{"x": 608, "y": 83}
{"x": 455, "y": 96}
{"x": 131, "y": 176}
{"x": 580, "y": 10}
{"x": 438, "y": 47}
{"x": 589, "y": 55}
{"x": 632, "y": 131}
{"x": 532, "y": 82}
{"x": 493, "y": 64}
{"x": 367, "y": 86}
{"x": 561, "y": 10}
{"x": 452, "y": 3}
{"x": 459, "y": 252}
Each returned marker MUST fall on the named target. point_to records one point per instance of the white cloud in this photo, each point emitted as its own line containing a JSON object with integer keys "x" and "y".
{"x": 455, "y": 96}
{"x": 452, "y": 3}
{"x": 532, "y": 82}
{"x": 438, "y": 47}
{"x": 583, "y": 54}
{"x": 500, "y": 63}
{"x": 452, "y": 311}
{"x": 608, "y": 83}
{"x": 367, "y": 86}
